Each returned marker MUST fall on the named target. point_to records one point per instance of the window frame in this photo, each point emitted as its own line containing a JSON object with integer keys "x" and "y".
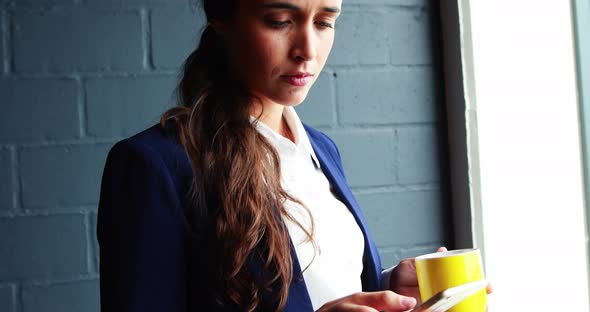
{"x": 472, "y": 147}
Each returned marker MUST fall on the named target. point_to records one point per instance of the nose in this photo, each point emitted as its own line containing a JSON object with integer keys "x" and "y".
{"x": 304, "y": 46}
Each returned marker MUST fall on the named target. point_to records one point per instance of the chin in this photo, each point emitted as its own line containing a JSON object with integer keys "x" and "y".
{"x": 293, "y": 103}
{"x": 293, "y": 99}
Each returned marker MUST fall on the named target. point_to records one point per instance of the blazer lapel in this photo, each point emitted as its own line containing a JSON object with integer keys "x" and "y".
{"x": 372, "y": 262}
{"x": 298, "y": 299}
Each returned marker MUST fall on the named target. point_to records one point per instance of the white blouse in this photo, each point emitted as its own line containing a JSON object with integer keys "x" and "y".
{"x": 333, "y": 270}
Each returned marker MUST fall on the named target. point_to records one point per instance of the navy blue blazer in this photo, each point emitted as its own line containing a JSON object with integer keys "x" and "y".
{"x": 148, "y": 261}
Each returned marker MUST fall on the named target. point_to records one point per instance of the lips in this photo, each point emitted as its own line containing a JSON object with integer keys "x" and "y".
{"x": 297, "y": 79}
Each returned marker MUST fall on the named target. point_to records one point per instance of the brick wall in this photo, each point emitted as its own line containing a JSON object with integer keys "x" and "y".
{"x": 78, "y": 75}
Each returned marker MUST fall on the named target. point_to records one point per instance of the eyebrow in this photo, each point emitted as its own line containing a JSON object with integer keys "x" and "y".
{"x": 290, "y": 6}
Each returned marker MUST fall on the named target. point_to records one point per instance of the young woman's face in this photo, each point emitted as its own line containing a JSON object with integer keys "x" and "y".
{"x": 279, "y": 47}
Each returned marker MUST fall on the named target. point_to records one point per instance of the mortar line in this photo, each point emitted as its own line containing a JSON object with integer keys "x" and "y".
{"x": 89, "y": 244}
{"x": 18, "y": 298}
{"x": 336, "y": 104}
{"x": 48, "y": 213}
{"x": 111, "y": 74}
{"x": 146, "y": 34}
{"x": 397, "y": 188}
{"x": 16, "y": 181}
{"x": 6, "y": 41}
{"x": 396, "y": 155}
{"x": 82, "y": 107}
{"x": 72, "y": 142}
{"x": 384, "y": 67}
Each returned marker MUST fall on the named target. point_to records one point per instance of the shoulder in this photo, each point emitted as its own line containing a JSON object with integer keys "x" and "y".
{"x": 155, "y": 148}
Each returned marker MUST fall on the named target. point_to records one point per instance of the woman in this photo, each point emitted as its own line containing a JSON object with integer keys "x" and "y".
{"x": 231, "y": 204}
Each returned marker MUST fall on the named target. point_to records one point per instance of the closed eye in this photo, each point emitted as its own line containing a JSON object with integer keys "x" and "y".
{"x": 325, "y": 24}
{"x": 277, "y": 24}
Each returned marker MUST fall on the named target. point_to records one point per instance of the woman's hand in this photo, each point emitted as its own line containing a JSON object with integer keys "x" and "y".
{"x": 370, "y": 302}
{"x": 404, "y": 281}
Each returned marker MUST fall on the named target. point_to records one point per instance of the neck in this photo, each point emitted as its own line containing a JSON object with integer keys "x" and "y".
{"x": 272, "y": 116}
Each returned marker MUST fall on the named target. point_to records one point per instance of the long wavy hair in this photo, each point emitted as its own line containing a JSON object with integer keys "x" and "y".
{"x": 236, "y": 173}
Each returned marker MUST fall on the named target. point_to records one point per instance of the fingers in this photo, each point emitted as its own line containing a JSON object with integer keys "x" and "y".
{"x": 442, "y": 249}
{"x": 347, "y": 307}
{"x": 384, "y": 300}
{"x": 404, "y": 273}
{"x": 371, "y": 301}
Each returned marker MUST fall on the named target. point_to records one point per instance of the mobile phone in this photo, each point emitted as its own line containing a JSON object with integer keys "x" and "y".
{"x": 450, "y": 297}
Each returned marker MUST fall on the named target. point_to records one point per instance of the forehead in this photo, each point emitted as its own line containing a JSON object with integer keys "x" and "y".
{"x": 296, "y": 5}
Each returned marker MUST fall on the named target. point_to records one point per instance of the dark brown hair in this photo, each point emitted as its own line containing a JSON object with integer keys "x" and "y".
{"x": 236, "y": 172}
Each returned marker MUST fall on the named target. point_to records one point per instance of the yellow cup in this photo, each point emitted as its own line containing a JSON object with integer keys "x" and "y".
{"x": 439, "y": 271}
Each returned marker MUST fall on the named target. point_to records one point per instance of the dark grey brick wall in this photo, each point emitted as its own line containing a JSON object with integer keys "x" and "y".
{"x": 120, "y": 106}
{"x": 7, "y": 298}
{"x": 59, "y": 297}
{"x": 38, "y": 109}
{"x": 78, "y": 75}
{"x": 6, "y": 190}
{"x": 43, "y": 247}
{"x": 66, "y": 39}
{"x": 58, "y": 177}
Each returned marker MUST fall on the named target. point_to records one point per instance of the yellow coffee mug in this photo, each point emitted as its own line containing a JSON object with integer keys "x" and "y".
{"x": 439, "y": 271}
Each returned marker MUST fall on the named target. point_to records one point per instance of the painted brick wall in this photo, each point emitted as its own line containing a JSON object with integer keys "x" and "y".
{"x": 78, "y": 75}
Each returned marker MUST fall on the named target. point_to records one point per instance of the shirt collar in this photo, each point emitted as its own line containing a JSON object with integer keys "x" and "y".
{"x": 296, "y": 127}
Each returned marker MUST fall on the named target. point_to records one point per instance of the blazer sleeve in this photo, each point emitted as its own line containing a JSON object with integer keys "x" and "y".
{"x": 140, "y": 231}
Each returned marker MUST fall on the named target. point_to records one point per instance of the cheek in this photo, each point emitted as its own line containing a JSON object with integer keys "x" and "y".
{"x": 324, "y": 49}
{"x": 259, "y": 52}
